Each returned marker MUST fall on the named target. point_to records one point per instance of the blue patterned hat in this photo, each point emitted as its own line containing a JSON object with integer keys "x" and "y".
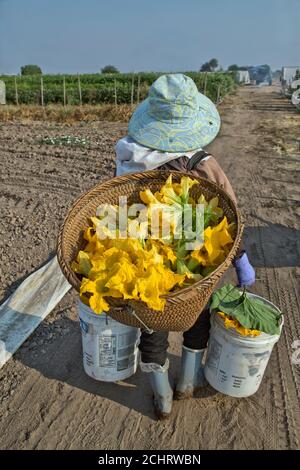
{"x": 175, "y": 117}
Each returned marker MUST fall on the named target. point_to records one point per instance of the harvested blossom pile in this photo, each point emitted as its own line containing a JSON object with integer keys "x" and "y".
{"x": 230, "y": 322}
{"x": 146, "y": 268}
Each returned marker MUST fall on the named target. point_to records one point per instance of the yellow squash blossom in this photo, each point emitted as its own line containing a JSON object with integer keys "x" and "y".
{"x": 122, "y": 278}
{"x": 212, "y": 252}
{"x": 168, "y": 194}
{"x": 186, "y": 184}
{"x": 147, "y": 197}
{"x": 136, "y": 266}
{"x": 230, "y": 322}
{"x": 153, "y": 283}
{"x": 163, "y": 249}
{"x": 94, "y": 289}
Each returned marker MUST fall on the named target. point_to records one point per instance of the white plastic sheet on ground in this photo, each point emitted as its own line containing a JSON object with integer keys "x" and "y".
{"x": 24, "y": 310}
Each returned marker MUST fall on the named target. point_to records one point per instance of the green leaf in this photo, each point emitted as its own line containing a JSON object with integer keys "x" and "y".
{"x": 212, "y": 214}
{"x": 207, "y": 270}
{"x": 170, "y": 197}
{"x": 84, "y": 265}
{"x": 183, "y": 269}
{"x": 180, "y": 249}
{"x": 192, "y": 264}
{"x": 249, "y": 311}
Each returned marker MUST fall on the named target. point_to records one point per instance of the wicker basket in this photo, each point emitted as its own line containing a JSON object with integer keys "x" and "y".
{"x": 182, "y": 306}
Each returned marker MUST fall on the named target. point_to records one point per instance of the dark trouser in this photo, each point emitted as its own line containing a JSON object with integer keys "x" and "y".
{"x": 154, "y": 346}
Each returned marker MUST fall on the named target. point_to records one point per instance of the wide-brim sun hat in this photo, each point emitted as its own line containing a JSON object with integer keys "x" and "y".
{"x": 175, "y": 117}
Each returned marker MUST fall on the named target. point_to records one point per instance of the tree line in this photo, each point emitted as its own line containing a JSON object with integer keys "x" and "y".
{"x": 209, "y": 66}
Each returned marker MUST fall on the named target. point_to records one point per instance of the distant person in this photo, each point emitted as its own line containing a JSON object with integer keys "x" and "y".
{"x": 168, "y": 130}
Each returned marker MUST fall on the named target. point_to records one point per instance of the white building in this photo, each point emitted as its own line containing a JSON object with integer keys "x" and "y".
{"x": 242, "y": 76}
{"x": 288, "y": 74}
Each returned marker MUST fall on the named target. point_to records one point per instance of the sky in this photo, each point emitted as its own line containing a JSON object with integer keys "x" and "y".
{"x": 82, "y": 36}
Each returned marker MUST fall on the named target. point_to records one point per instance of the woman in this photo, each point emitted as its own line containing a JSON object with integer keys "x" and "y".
{"x": 168, "y": 131}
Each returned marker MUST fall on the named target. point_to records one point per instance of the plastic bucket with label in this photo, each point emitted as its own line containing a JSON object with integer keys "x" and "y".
{"x": 110, "y": 349}
{"x": 235, "y": 364}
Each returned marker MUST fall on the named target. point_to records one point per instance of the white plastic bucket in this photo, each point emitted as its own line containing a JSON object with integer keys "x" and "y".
{"x": 235, "y": 364}
{"x": 110, "y": 349}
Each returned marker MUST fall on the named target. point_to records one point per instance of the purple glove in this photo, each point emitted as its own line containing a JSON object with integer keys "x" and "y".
{"x": 244, "y": 271}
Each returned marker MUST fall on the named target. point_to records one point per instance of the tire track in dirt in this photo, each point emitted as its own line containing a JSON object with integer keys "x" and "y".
{"x": 275, "y": 435}
{"x": 283, "y": 430}
{"x": 288, "y": 304}
{"x": 288, "y": 415}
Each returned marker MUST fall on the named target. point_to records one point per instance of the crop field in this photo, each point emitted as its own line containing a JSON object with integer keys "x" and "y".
{"x": 120, "y": 88}
{"x": 46, "y": 399}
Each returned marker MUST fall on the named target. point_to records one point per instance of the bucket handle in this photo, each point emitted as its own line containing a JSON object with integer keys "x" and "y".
{"x": 147, "y": 329}
{"x": 130, "y": 311}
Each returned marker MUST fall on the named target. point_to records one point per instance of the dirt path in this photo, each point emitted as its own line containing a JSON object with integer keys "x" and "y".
{"x": 46, "y": 400}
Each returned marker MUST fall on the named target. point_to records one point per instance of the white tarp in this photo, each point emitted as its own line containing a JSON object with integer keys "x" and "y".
{"x": 24, "y": 310}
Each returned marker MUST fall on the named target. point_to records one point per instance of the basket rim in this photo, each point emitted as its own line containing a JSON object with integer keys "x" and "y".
{"x": 74, "y": 280}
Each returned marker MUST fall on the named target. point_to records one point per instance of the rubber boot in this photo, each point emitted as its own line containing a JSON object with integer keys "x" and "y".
{"x": 191, "y": 376}
{"x": 162, "y": 390}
